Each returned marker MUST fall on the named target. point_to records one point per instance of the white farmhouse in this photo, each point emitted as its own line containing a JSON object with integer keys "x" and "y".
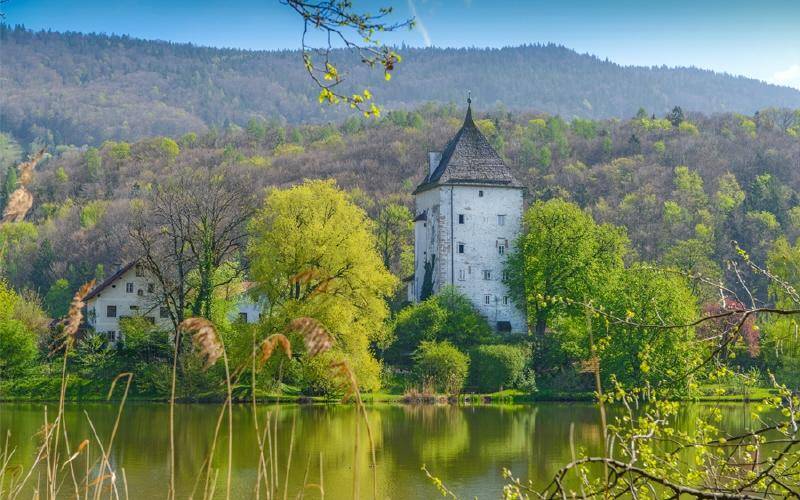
{"x": 468, "y": 214}
{"x": 131, "y": 291}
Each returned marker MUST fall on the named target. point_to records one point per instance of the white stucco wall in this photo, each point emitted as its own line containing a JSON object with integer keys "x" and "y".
{"x": 138, "y": 302}
{"x": 141, "y": 302}
{"x": 481, "y": 234}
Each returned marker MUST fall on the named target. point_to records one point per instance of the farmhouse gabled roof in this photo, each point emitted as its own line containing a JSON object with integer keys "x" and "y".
{"x": 111, "y": 279}
{"x": 469, "y": 159}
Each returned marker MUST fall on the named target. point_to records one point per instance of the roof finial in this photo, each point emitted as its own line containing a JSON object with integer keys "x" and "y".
{"x": 468, "y": 118}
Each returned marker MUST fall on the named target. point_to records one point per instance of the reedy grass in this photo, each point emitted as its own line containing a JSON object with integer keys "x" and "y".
{"x": 101, "y": 480}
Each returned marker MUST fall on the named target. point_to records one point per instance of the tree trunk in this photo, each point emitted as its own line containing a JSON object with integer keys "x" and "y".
{"x": 541, "y": 324}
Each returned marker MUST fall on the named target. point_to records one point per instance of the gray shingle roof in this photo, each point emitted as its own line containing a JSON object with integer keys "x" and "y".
{"x": 469, "y": 159}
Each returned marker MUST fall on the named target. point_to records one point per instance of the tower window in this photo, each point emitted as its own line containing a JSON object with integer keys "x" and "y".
{"x": 487, "y": 275}
{"x": 462, "y": 275}
{"x": 505, "y": 275}
{"x": 480, "y": 193}
{"x": 460, "y": 248}
{"x": 501, "y": 220}
{"x": 487, "y": 299}
{"x": 505, "y": 300}
{"x": 501, "y": 249}
{"x": 460, "y": 218}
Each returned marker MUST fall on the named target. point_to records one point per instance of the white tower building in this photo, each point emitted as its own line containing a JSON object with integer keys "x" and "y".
{"x": 468, "y": 214}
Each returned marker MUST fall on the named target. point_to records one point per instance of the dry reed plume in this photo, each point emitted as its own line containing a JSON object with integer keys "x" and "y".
{"x": 19, "y": 203}
{"x": 75, "y": 315}
{"x": 26, "y": 168}
{"x": 21, "y": 200}
{"x": 270, "y": 343}
{"x": 205, "y": 339}
{"x": 316, "y": 337}
{"x": 306, "y": 277}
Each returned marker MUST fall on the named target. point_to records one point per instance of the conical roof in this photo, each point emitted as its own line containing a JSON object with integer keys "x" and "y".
{"x": 469, "y": 159}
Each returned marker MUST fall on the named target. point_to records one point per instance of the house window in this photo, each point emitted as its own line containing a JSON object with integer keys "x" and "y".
{"x": 112, "y": 335}
{"x": 501, "y": 249}
{"x": 460, "y": 248}
{"x": 487, "y": 299}
{"x": 480, "y": 194}
{"x": 505, "y": 300}
{"x": 462, "y": 275}
{"x": 151, "y": 288}
{"x": 139, "y": 271}
{"x": 460, "y": 218}
{"x": 140, "y": 292}
{"x": 163, "y": 312}
{"x": 243, "y": 317}
{"x": 111, "y": 311}
{"x": 128, "y": 287}
{"x": 505, "y": 275}
{"x": 487, "y": 275}
{"x": 501, "y": 220}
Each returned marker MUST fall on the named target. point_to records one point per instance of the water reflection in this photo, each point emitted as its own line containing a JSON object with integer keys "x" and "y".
{"x": 466, "y": 446}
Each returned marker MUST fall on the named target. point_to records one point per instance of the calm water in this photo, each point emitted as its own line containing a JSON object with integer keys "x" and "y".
{"x": 465, "y": 446}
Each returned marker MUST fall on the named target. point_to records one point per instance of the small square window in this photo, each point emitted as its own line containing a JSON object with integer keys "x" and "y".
{"x": 129, "y": 287}
{"x": 163, "y": 312}
{"x": 139, "y": 271}
{"x": 480, "y": 194}
{"x": 243, "y": 317}
{"x": 501, "y": 220}
{"x": 460, "y": 248}
{"x": 140, "y": 292}
{"x": 487, "y": 299}
{"x": 111, "y": 311}
{"x": 487, "y": 275}
{"x": 460, "y": 218}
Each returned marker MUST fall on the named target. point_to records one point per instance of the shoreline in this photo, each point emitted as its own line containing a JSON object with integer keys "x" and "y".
{"x": 505, "y": 397}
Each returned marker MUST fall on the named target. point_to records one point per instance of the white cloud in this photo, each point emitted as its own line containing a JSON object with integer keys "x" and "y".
{"x": 789, "y": 77}
{"x": 418, "y": 24}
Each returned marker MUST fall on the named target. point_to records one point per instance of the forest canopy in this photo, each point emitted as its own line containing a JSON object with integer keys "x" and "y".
{"x": 72, "y": 88}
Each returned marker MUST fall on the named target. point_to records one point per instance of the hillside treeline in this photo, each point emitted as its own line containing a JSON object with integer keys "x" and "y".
{"x": 683, "y": 187}
{"x": 72, "y": 88}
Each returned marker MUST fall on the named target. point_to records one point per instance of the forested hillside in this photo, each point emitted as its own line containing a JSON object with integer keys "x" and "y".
{"x": 683, "y": 189}
{"x": 70, "y": 88}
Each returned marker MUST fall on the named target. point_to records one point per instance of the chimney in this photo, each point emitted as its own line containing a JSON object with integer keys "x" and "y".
{"x": 433, "y": 161}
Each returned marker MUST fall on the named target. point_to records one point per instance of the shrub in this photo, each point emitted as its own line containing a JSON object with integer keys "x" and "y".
{"x": 17, "y": 348}
{"x": 442, "y": 365}
{"x": 497, "y": 367}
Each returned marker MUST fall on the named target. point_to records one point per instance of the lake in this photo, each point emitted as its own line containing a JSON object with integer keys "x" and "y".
{"x": 465, "y": 446}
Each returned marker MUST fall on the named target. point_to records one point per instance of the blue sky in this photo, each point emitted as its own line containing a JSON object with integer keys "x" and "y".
{"x": 756, "y": 38}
